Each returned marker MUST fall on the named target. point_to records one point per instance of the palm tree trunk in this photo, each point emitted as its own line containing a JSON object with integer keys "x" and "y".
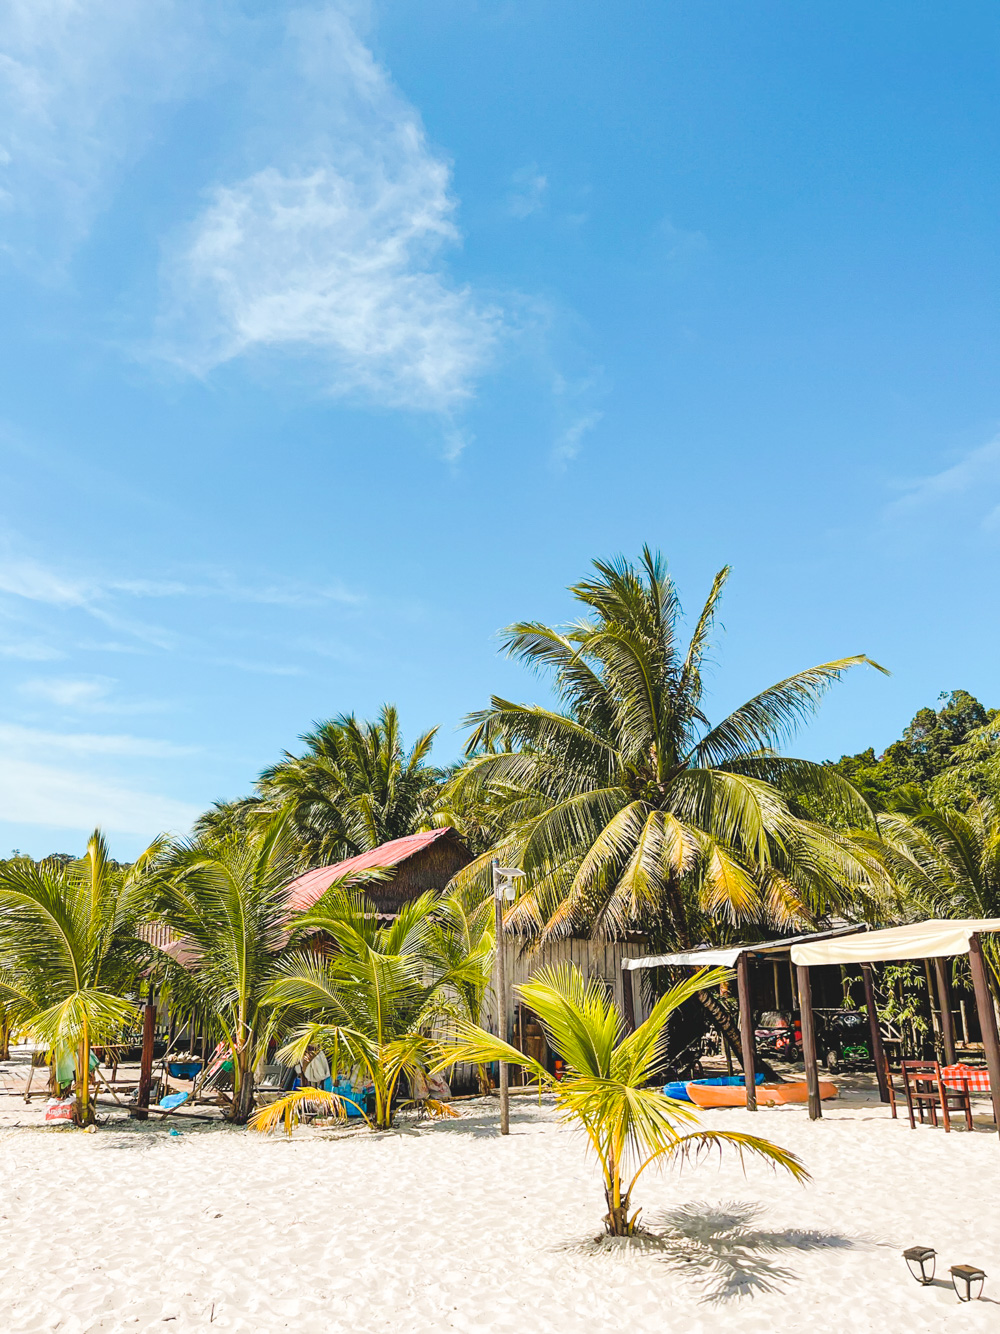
{"x": 616, "y": 1220}
{"x": 243, "y": 1094}
{"x": 728, "y": 1030}
{"x": 718, "y": 1014}
{"x": 84, "y": 1109}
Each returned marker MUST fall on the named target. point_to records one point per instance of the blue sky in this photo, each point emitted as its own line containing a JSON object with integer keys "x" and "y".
{"x": 336, "y": 337}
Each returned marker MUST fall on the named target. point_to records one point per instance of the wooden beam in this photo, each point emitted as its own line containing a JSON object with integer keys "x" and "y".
{"x": 878, "y": 1051}
{"x": 501, "y": 988}
{"x": 749, "y": 1054}
{"x": 944, "y": 1004}
{"x": 141, "y": 1112}
{"x": 628, "y": 995}
{"x": 809, "y": 1042}
{"x": 987, "y": 1021}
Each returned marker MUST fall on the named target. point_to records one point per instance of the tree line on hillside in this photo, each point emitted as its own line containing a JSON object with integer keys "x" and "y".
{"x": 626, "y": 806}
{"x": 949, "y": 753}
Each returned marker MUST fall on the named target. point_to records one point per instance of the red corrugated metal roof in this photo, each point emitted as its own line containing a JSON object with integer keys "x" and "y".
{"x": 305, "y": 889}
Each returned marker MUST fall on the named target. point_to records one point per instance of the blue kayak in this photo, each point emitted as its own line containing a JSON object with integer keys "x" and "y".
{"x": 678, "y": 1089}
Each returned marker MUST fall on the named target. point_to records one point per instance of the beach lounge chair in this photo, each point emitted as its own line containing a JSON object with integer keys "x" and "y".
{"x": 274, "y": 1081}
{"x": 924, "y": 1088}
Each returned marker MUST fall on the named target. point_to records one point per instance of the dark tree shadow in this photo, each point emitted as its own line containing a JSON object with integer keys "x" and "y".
{"x": 735, "y": 1258}
{"x": 720, "y": 1247}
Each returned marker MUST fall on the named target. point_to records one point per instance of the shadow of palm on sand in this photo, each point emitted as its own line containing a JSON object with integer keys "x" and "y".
{"x": 721, "y": 1247}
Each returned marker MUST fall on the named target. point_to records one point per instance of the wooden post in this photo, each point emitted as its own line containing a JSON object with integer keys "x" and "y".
{"x": 628, "y": 995}
{"x": 944, "y": 1002}
{"x": 987, "y": 1020}
{"x": 794, "y": 985}
{"x": 809, "y": 1042}
{"x": 878, "y": 1052}
{"x": 934, "y": 1012}
{"x": 746, "y": 1030}
{"x": 141, "y": 1112}
{"x": 501, "y": 1000}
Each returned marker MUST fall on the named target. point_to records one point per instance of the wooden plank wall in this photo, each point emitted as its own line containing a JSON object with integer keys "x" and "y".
{"x": 593, "y": 959}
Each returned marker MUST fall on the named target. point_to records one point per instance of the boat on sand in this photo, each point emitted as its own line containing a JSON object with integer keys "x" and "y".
{"x": 713, "y": 1093}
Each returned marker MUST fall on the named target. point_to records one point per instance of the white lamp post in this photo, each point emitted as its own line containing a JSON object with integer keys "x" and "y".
{"x": 503, "y": 888}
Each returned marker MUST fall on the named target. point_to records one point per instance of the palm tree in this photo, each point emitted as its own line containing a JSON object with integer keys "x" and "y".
{"x": 628, "y": 809}
{"x": 225, "y": 903}
{"x": 946, "y": 860}
{"x": 369, "y": 994}
{"x": 355, "y": 787}
{"x": 603, "y": 1088}
{"x": 464, "y": 945}
{"x": 70, "y": 953}
{"x": 6, "y": 1029}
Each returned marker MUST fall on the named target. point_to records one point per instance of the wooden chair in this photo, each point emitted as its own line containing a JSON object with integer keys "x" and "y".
{"x": 889, "y": 1085}
{"x": 924, "y": 1088}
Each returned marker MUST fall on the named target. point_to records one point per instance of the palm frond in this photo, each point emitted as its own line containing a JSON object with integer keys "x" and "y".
{"x": 287, "y": 1111}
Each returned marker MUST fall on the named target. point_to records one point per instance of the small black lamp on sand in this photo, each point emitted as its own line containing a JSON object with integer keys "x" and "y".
{"x": 920, "y": 1260}
{"x": 968, "y": 1282}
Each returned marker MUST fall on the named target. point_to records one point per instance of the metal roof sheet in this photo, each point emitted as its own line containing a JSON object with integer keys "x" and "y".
{"x": 305, "y": 889}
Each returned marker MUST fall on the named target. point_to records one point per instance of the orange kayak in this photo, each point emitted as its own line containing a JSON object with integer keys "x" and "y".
{"x": 768, "y": 1095}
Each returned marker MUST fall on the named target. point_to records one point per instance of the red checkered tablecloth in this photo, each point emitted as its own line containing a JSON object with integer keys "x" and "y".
{"x": 974, "y": 1077}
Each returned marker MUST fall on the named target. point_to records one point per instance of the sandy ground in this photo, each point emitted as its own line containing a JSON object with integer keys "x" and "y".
{"x": 448, "y": 1226}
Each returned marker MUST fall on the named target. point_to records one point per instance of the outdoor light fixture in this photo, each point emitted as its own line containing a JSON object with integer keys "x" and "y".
{"x": 967, "y": 1281}
{"x": 503, "y": 881}
{"x": 920, "y": 1261}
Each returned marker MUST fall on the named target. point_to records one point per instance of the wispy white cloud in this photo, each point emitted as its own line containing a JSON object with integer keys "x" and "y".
{"x": 258, "y": 668}
{"x": 89, "y": 695}
{"x": 38, "y": 583}
{"x": 332, "y": 247}
{"x": 30, "y": 743}
{"x": 102, "y": 598}
{"x": 79, "y": 83}
{"x": 568, "y": 442}
{"x": 528, "y": 192}
{"x": 66, "y": 693}
{"x": 30, "y": 650}
{"x": 679, "y": 247}
{"x": 50, "y": 795}
{"x": 971, "y": 485}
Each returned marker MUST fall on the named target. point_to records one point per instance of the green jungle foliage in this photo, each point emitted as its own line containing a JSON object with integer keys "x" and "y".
{"x": 949, "y": 754}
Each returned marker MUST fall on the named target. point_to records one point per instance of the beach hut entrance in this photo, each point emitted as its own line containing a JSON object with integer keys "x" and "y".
{"x": 934, "y": 940}
{"x": 739, "y": 957}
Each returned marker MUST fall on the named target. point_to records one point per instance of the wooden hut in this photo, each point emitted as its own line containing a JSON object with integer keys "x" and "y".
{"x": 419, "y": 862}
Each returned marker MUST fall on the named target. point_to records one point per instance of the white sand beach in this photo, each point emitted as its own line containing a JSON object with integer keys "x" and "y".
{"x": 448, "y": 1226}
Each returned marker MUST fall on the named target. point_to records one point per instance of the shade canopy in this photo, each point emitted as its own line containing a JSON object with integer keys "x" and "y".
{"x": 920, "y": 940}
{"x": 726, "y": 958}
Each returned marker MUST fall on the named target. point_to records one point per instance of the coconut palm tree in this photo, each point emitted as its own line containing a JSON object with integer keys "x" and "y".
{"x": 225, "y": 901}
{"x": 463, "y": 944}
{"x": 6, "y": 1029}
{"x": 633, "y": 810}
{"x": 369, "y": 993}
{"x": 70, "y": 953}
{"x": 604, "y": 1086}
{"x": 226, "y": 905}
{"x": 355, "y": 787}
{"x": 946, "y": 860}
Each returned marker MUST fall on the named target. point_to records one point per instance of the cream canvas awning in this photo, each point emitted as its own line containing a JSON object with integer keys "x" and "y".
{"x": 726, "y": 958}
{"x": 920, "y": 940}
